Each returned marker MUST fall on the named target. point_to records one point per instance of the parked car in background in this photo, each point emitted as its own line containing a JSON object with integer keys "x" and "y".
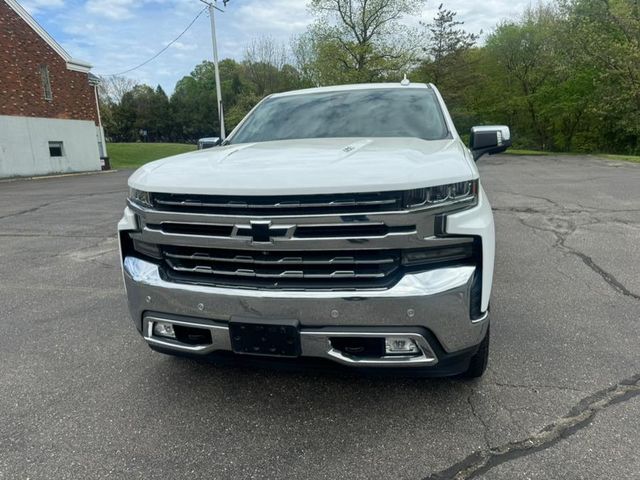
{"x": 346, "y": 224}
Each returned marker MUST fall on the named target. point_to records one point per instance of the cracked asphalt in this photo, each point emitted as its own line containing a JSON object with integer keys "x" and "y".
{"x": 82, "y": 397}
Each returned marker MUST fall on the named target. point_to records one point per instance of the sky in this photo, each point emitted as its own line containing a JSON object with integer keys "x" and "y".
{"x": 115, "y": 35}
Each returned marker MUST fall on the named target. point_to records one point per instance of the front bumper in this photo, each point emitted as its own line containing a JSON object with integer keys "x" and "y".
{"x": 430, "y": 307}
{"x": 433, "y": 307}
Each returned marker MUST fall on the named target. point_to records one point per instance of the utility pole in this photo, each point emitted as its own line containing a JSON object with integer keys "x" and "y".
{"x": 212, "y": 9}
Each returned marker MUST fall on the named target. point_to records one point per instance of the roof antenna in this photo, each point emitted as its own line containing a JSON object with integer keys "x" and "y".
{"x": 405, "y": 81}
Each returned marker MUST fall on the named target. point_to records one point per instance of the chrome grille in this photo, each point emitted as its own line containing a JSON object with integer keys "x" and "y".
{"x": 277, "y": 269}
{"x": 280, "y": 205}
{"x": 323, "y": 242}
{"x": 294, "y": 231}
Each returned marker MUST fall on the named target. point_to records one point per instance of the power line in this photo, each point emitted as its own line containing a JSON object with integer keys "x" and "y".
{"x": 161, "y": 51}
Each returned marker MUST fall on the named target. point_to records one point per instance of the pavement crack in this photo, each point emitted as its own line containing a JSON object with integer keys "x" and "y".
{"x": 28, "y": 210}
{"x": 536, "y": 387}
{"x": 529, "y": 210}
{"x": 606, "y": 276}
{"x": 579, "y": 417}
{"x": 537, "y": 197}
{"x": 485, "y": 426}
{"x": 577, "y": 207}
{"x": 562, "y": 225}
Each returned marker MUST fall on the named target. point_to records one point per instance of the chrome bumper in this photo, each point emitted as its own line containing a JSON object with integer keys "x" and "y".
{"x": 314, "y": 343}
{"x": 437, "y": 300}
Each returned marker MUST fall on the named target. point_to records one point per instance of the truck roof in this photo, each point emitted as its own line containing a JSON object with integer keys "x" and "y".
{"x": 359, "y": 86}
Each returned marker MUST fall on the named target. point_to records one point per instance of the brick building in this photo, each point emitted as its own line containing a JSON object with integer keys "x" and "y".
{"x": 49, "y": 114}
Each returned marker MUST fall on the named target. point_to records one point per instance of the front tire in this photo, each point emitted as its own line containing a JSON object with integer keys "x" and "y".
{"x": 479, "y": 361}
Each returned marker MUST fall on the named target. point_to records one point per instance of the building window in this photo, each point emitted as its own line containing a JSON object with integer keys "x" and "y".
{"x": 55, "y": 149}
{"x": 46, "y": 83}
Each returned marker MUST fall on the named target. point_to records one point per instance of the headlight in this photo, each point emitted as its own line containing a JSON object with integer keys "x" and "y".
{"x": 442, "y": 194}
{"x": 140, "y": 197}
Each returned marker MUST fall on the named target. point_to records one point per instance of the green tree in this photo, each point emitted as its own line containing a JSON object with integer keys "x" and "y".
{"x": 193, "y": 111}
{"x": 605, "y": 38}
{"x": 449, "y": 64}
{"x": 110, "y": 93}
{"x": 143, "y": 109}
{"x": 193, "y": 104}
{"x": 447, "y": 42}
{"x": 358, "y": 40}
{"x": 525, "y": 56}
{"x": 160, "y": 122}
{"x": 264, "y": 58}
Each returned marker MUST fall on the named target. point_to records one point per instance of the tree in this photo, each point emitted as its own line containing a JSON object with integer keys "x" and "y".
{"x": 193, "y": 104}
{"x": 142, "y": 109}
{"x": 446, "y": 43}
{"x": 159, "y": 128}
{"x": 264, "y": 58}
{"x": 359, "y": 40}
{"x": 110, "y": 92}
{"x": 112, "y": 88}
{"x": 605, "y": 37}
{"x": 526, "y": 56}
{"x": 448, "y": 63}
{"x": 564, "y": 76}
{"x": 304, "y": 48}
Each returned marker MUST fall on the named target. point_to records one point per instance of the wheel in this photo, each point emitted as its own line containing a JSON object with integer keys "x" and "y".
{"x": 479, "y": 361}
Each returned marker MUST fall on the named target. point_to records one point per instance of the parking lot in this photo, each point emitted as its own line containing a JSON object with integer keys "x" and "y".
{"x": 82, "y": 396}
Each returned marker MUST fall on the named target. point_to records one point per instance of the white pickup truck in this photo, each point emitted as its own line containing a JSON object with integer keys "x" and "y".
{"x": 336, "y": 226}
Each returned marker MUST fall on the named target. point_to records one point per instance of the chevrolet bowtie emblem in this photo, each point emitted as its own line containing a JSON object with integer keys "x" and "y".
{"x": 261, "y": 231}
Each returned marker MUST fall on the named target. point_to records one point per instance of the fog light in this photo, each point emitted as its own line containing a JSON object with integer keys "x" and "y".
{"x": 164, "y": 329}
{"x": 400, "y": 345}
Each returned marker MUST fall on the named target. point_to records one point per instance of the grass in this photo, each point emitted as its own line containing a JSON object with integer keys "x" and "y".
{"x": 623, "y": 158}
{"x": 133, "y": 155}
{"x": 515, "y": 151}
{"x": 626, "y": 158}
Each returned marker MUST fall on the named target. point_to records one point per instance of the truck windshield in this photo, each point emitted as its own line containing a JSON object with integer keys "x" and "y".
{"x": 406, "y": 112}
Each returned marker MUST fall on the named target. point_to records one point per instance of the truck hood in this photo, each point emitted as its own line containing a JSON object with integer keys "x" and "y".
{"x": 310, "y": 166}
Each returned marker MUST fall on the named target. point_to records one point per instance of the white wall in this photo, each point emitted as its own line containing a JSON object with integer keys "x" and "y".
{"x": 24, "y": 146}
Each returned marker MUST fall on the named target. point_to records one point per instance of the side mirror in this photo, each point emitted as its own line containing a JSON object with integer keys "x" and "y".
{"x": 489, "y": 139}
{"x": 209, "y": 142}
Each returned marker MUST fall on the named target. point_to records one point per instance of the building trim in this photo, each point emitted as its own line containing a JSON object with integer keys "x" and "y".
{"x": 72, "y": 63}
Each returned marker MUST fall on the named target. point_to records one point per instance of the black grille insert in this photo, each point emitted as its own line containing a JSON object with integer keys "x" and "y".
{"x": 199, "y": 229}
{"x": 284, "y": 270}
{"x": 350, "y": 231}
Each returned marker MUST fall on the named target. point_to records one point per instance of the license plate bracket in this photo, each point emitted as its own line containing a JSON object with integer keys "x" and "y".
{"x": 263, "y": 336}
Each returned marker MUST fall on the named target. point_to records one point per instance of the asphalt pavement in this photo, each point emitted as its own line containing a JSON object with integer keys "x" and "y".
{"x": 82, "y": 396}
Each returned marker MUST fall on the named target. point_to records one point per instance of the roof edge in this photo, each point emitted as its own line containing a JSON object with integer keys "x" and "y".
{"x": 352, "y": 86}
{"x": 72, "y": 63}
{"x": 79, "y": 65}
